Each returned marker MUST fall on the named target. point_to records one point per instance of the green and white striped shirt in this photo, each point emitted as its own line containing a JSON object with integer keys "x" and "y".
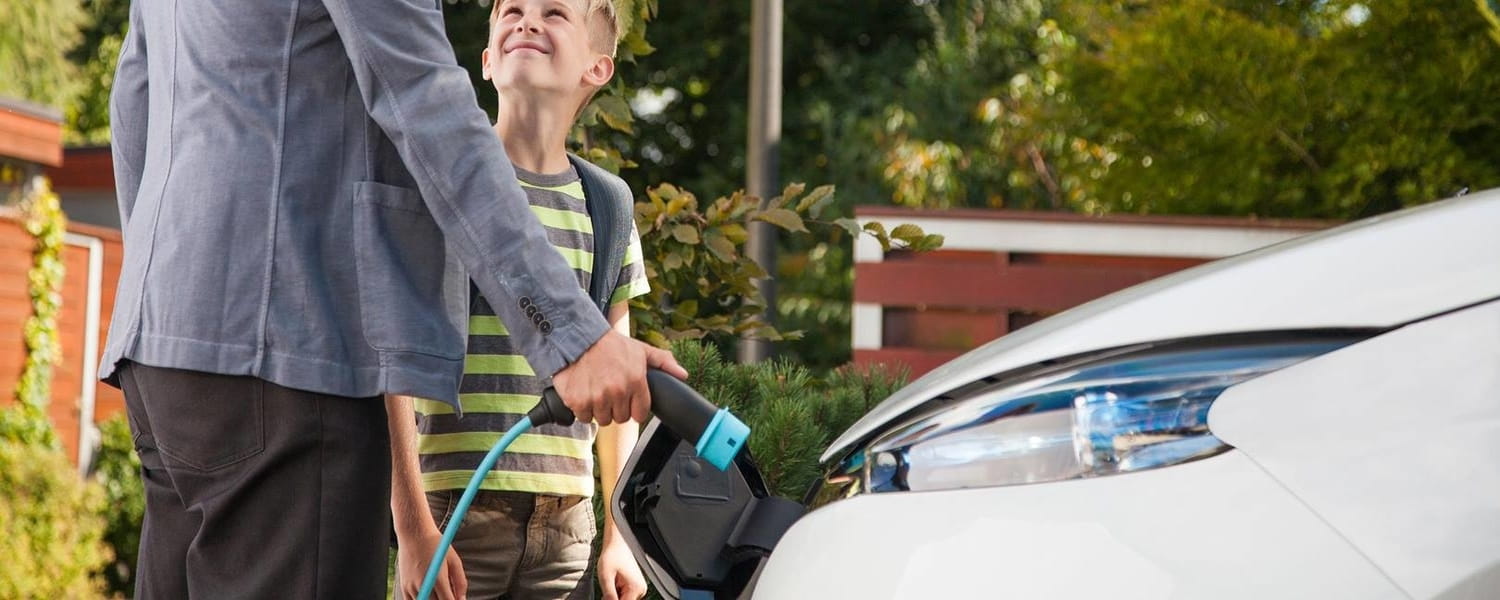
{"x": 499, "y": 385}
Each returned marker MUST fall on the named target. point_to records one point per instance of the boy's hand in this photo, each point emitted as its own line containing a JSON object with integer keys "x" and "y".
{"x": 608, "y": 383}
{"x": 412, "y": 558}
{"x": 619, "y": 577}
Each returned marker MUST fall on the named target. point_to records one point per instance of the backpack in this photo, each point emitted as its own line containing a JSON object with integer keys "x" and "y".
{"x": 612, "y": 211}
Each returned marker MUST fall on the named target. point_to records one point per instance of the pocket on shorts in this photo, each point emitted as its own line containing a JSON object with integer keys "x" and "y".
{"x": 579, "y": 521}
{"x": 441, "y": 506}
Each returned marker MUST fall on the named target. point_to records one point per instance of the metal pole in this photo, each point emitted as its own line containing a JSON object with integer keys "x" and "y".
{"x": 763, "y": 141}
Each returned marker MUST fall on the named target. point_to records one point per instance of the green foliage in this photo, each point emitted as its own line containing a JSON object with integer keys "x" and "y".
{"x": 117, "y": 470}
{"x": 62, "y": 54}
{"x": 793, "y": 411}
{"x": 690, "y": 103}
{"x": 35, "y": 36}
{"x": 788, "y": 452}
{"x": 702, "y": 283}
{"x": 50, "y": 531}
{"x": 86, "y": 116}
{"x": 947, "y": 135}
{"x": 1332, "y": 109}
{"x": 1338, "y": 109}
{"x": 690, "y": 95}
{"x": 1487, "y": 9}
{"x": 609, "y": 111}
{"x": 27, "y": 421}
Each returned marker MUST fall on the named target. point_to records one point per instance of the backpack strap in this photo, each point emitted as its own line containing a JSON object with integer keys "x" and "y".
{"x": 611, "y": 210}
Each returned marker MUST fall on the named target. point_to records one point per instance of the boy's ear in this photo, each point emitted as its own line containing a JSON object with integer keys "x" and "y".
{"x": 600, "y": 72}
{"x": 484, "y": 63}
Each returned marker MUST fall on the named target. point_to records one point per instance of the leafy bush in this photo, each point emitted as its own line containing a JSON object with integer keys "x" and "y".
{"x": 702, "y": 283}
{"x": 793, "y": 412}
{"x": 51, "y": 534}
{"x": 118, "y": 471}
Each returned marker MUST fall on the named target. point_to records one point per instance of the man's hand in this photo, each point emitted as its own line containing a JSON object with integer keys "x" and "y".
{"x": 619, "y": 577}
{"x": 411, "y": 564}
{"x": 608, "y": 383}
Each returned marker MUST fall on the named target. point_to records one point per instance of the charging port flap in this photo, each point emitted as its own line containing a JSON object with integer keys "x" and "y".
{"x": 697, "y": 532}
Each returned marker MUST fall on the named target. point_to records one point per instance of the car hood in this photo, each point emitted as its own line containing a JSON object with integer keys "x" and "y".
{"x": 1375, "y": 273}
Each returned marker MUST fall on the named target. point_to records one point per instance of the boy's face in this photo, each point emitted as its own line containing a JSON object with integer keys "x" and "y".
{"x": 543, "y": 46}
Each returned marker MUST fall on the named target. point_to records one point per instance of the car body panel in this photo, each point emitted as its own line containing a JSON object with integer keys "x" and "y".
{"x": 1215, "y": 528}
{"x": 1375, "y": 273}
{"x": 1392, "y": 441}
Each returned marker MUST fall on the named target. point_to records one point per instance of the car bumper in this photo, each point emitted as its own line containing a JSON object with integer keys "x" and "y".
{"x": 1216, "y": 528}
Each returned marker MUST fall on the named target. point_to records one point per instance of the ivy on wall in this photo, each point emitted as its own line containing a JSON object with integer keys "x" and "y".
{"x": 27, "y": 422}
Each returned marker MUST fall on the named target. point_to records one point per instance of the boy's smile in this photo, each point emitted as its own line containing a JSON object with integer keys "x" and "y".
{"x": 526, "y": 45}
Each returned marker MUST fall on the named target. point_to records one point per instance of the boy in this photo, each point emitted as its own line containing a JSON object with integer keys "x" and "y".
{"x": 529, "y": 532}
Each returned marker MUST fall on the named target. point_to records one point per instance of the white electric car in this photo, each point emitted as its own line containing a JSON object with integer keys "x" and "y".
{"x": 1316, "y": 419}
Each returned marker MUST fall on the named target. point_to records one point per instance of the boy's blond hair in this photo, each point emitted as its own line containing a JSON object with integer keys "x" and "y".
{"x": 599, "y": 18}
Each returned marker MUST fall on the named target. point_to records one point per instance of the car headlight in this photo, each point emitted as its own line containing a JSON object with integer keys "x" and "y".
{"x": 1120, "y": 413}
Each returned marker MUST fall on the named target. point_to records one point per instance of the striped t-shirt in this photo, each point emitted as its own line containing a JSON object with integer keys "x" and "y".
{"x": 499, "y": 386}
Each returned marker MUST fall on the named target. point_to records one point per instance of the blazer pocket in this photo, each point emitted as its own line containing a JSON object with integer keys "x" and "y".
{"x": 411, "y": 289}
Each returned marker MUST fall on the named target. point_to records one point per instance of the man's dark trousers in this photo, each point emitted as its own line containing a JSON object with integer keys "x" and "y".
{"x": 253, "y": 488}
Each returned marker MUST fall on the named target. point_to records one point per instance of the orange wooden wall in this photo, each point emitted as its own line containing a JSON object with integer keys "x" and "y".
{"x": 16, "y": 247}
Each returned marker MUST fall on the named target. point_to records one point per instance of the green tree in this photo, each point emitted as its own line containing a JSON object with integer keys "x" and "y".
{"x": 1487, "y": 9}
{"x": 692, "y": 92}
{"x": 1344, "y": 110}
{"x": 94, "y": 58}
{"x": 62, "y": 54}
{"x": 1333, "y": 109}
{"x": 966, "y": 128}
{"x": 840, "y": 65}
{"x": 1303, "y": 108}
{"x": 35, "y": 36}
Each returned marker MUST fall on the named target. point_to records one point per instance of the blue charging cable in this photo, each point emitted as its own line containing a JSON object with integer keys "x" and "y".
{"x": 462, "y": 507}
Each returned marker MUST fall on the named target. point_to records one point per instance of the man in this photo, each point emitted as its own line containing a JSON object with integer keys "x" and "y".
{"x": 288, "y": 172}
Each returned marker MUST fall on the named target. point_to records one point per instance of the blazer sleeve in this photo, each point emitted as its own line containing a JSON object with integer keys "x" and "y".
{"x": 417, "y": 94}
{"x": 128, "y": 110}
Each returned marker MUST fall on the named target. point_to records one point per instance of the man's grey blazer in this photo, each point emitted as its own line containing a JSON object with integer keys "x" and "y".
{"x": 288, "y": 174}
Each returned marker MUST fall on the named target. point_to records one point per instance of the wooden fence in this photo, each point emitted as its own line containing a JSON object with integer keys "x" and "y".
{"x": 1002, "y": 270}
